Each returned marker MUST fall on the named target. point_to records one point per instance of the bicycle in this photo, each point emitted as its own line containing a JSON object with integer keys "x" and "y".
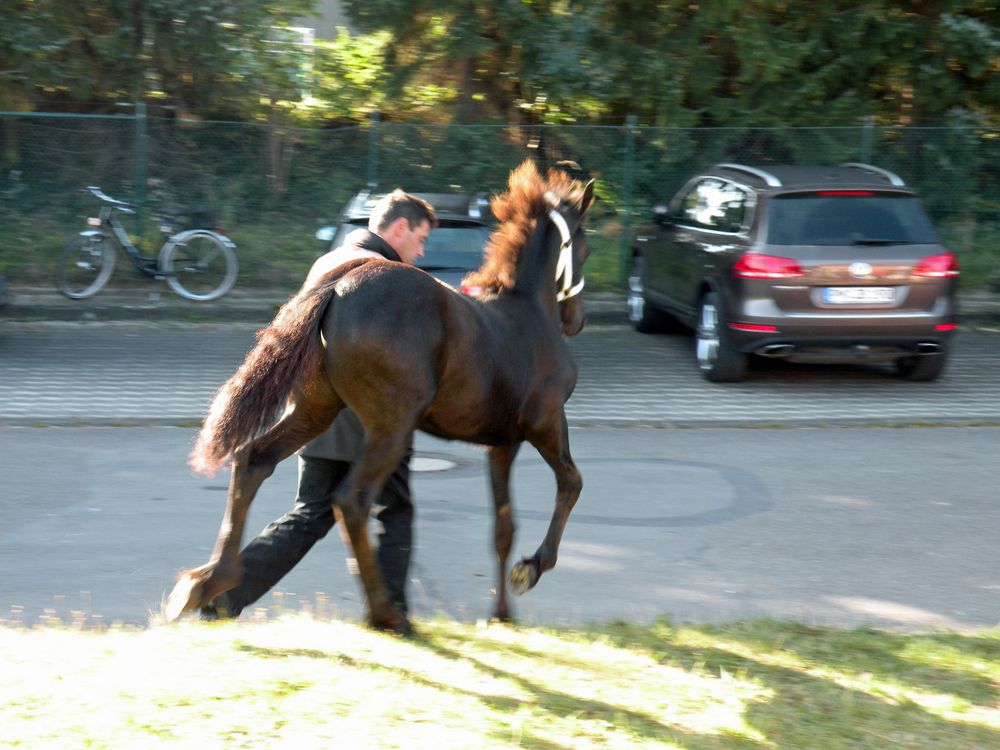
{"x": 197, "y": 263}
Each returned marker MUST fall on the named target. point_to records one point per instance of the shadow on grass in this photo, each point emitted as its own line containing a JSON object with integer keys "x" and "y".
{"x": 557, "y": 704}
{"x": 814, "y": 712}
{"x": 825, "y": 688}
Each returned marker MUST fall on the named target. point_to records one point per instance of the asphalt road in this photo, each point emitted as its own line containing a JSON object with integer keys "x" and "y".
{"x": 831, "y": 517}
{"x": 839, "y": 526}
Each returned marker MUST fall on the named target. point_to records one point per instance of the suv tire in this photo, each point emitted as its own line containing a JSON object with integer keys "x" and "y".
{"x": 717, "y": 359}
{"x": 922, "y": 369}
{"x": 643, "y": 316}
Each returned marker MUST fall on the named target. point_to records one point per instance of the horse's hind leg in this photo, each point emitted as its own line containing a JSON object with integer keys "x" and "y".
{"x": 554, "y": 448}
{"x": 352, "y": 503}
{"x": 252, "y": 464}
{"x": 501, "y": 458}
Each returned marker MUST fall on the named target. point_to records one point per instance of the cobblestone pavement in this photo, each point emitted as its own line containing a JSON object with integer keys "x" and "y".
{"x": 166, "y": 373}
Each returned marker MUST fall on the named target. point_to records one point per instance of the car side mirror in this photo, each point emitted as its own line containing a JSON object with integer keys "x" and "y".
{"x": 661, "y": 215}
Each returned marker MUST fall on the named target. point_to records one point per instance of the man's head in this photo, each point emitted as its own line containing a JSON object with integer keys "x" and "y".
{"x": 404, "y": 221}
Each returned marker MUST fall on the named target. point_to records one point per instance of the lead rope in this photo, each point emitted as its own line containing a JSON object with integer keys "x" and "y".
{"x": 564, "y": 266}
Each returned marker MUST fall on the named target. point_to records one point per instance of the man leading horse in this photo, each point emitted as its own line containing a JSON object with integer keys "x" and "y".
{"x": 397, "y": 230}
{"x": 405, "y": 352}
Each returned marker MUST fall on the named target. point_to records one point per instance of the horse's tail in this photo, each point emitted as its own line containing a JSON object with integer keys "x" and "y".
{"x": 253, "y": 398}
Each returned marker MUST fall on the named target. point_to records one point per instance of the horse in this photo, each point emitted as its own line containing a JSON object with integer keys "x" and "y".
{"x": 406, "y": 352}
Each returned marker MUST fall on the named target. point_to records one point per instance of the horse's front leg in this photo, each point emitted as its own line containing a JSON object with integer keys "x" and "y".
{"x": 501, "y": 459}
{"x": 252, "y": 464}
{"x": 553, "y": 446}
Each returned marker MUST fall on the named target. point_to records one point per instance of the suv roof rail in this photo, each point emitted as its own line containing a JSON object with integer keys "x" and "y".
{"x": 892, "y": 177}
{"x": 768, "y": 178}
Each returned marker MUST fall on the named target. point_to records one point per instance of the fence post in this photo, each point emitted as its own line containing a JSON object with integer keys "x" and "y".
{"x": 139, "y": 186}
{"x": 867, "y": 134}
{"x": 628, "y": 169}
{"x": 373, "y": 135}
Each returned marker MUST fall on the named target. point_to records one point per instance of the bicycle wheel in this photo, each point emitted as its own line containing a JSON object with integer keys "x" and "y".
{"x": 85, "y": 265}
{"x": 199, "y": 265}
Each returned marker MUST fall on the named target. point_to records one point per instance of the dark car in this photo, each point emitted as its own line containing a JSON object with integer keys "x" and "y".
{"x": 825, "y": 264}
{"x": 454, "y": 248}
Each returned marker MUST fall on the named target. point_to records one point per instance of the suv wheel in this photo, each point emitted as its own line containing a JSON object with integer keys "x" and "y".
{"x": 642, "y": 315}
{"x": 922, "y": 369}
{"x": 717, "y": 359}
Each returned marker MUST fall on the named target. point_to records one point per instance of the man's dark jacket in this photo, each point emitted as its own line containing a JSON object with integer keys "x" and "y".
{"x": 342, "y": 442}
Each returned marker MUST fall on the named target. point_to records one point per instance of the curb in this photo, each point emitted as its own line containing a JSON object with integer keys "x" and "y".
{"x": 258, "y": 307}
{"x": 976, "y": 307}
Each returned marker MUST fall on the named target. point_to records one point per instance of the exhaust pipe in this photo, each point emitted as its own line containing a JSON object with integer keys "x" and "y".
{"x": 928, "y": 347}
{"x": 776, "y": 350}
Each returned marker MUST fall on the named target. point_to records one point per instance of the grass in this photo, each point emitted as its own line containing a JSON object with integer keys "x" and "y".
{"x": 301, "y": 682}
{"x": 272, "y": 255}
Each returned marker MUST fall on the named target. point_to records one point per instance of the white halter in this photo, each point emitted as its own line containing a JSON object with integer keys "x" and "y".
{"x": 564, "y": 267}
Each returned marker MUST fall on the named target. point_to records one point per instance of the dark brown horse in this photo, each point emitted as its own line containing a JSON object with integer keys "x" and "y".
{"x": 406, "y": 352}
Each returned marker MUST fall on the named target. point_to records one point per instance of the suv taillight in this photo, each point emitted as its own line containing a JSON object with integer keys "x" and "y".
{"x": 759, "y": 266}
{"x": 941, "y": 266}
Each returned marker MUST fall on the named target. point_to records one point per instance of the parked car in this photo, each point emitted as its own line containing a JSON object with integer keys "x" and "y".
{"x": 454, "y": 248}
{"x": 825, "y": 264}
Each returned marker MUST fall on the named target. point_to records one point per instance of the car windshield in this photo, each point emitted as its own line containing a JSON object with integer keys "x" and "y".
{"x": 451, "y": 246}
{"x": 846, "y": 217}
{"x": 455, "y": 246}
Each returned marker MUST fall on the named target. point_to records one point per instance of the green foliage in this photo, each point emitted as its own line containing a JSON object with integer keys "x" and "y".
{"x": 667, "y": 62}
{"x": 727, "y": 62}
{"x": 213, "y": 58}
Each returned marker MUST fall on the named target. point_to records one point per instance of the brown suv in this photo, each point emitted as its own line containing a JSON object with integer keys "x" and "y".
{"x": 825, "y": 264}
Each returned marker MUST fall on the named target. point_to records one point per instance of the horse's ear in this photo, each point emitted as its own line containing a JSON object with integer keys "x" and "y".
{"x": 588, "y": 197}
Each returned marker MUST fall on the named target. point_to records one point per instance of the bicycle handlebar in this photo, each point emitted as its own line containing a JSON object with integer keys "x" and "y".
{"x": 101, "y": 195}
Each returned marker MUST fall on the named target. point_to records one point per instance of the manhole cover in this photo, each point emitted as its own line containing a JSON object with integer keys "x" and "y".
{"x": 429, "y": 463}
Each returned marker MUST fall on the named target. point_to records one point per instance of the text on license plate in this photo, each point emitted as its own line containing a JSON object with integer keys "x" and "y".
{"x": 854, "y": 295}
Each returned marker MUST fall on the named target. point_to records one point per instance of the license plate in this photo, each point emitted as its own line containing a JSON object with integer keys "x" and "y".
{"x": 859, "y": 295}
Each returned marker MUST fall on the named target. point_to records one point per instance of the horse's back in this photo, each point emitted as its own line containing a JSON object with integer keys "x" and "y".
{"x": 398, "y": 341}
{"x": 383, "y": 334}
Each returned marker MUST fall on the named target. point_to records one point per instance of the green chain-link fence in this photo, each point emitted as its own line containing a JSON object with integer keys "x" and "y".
{"x": 271, "y": 186}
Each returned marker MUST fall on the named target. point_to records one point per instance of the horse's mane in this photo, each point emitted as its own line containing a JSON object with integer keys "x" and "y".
{"x": 517, "y": 212}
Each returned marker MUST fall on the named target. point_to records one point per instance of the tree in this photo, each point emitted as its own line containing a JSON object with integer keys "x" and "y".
{"x": 209, "y": 59}
{"x": 714, "y": 62}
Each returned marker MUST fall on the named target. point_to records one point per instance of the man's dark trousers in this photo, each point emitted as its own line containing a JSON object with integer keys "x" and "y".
{"x": 280, "y": 546}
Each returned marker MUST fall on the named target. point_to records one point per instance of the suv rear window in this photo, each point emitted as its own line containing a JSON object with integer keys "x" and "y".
{"x": 848, "y": 217}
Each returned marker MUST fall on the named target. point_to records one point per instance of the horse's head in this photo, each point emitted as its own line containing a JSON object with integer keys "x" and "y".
{"x": 540, "y": 230}
{"x": 567, "y": 214}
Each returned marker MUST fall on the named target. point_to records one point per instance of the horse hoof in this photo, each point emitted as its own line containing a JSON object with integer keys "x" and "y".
{"x": 185, "y": 597}
{"x": 523, "y": 576}
{"x": 397, "y": 625}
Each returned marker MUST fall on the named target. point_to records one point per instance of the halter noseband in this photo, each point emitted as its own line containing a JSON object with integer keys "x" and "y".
{"x": 564, "y": 266}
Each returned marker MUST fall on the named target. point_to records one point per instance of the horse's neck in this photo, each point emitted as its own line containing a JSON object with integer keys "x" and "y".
{"x": 536, "y": 268}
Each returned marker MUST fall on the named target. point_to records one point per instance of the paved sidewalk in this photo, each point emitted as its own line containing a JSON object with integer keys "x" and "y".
{"x": 139, "y": 372}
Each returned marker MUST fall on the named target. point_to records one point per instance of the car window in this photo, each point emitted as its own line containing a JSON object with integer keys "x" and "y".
{"x": 450, "y": 246}
{"x": 713, "y": 203}
{"x": 844, "y": 217}
{"x": 459, "y": 246}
